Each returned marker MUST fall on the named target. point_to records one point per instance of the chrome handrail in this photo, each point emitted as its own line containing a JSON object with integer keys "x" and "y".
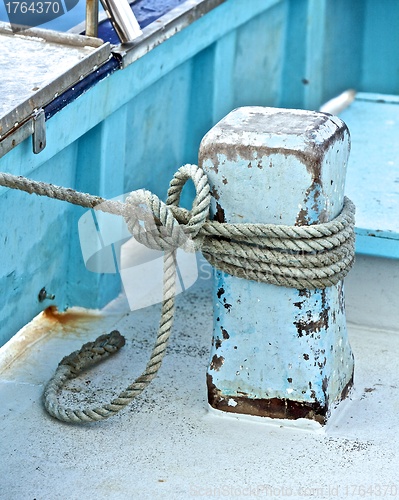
{"x": 120, "y": 14}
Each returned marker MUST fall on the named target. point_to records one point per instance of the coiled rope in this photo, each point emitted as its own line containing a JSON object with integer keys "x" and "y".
{"x": 303, "y": 257}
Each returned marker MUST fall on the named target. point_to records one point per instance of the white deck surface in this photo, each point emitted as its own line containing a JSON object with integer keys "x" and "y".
{"x": 167, "y": 444}
{"x": 373, "y": 173}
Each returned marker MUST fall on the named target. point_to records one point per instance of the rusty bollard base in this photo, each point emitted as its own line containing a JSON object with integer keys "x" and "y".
{"x": 277, "y": 352}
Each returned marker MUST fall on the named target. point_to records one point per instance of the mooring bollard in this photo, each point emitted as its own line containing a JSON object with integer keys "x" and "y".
{"x": 277, "y": 352}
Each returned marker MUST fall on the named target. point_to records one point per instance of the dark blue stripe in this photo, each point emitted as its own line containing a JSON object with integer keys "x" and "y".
{"x": 79, "y": 88}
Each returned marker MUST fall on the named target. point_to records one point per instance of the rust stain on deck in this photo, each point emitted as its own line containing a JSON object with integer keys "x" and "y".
{"x": 70, "y": 317}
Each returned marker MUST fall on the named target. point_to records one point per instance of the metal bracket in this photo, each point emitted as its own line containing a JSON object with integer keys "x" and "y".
{"x": 39, "y": 131}
{"x": 34, "y": 125}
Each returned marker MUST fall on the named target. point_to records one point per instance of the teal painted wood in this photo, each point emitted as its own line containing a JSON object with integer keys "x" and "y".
{"x": 315, "y": 52}
{"x": 131, "y": 130}
{"x": 103, "y": 156}
{"x": 34, "y": 245}
{"x": 380, "y": 62}
{"x": 135, "y": 127}
{"x": 333, "y": 45}
{"x": 343, "y": 46}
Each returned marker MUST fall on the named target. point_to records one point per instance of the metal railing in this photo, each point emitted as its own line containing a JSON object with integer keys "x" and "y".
{"x": 120, "y": 15}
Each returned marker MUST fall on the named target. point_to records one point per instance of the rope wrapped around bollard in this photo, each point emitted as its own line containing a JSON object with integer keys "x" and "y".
{"x": 303, "y": 257}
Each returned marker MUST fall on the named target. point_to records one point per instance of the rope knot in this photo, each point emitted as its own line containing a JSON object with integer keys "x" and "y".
{"x": 166, "y": 226}
{"x": 93, "y": 352}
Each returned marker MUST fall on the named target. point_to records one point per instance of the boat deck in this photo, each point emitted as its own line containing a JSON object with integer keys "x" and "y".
{"x": 168, "y": 444}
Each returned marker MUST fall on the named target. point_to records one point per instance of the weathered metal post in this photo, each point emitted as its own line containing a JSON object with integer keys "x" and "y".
{"x": 277, "y": 352}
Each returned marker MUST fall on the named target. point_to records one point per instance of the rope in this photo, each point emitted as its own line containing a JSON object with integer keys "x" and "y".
{"x": 168, "y": 236}
{"x": 104, "y": 346}
{"x": 303, "y": 257}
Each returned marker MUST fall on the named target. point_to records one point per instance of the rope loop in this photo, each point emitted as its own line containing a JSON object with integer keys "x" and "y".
{"x": 197, "y": 216}
{"x": 166, "y": 226}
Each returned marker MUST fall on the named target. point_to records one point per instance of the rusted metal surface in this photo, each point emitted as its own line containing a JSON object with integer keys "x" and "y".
{"x": 274, "y": 407}
{"x": 277, "y": 352}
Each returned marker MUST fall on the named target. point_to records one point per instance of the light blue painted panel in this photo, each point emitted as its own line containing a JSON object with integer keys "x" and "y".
{"x": 343, "y": 46}
{"x": 376, "y": 244}
{"x": 373, "y": 172}
{"x": 223, "y": 74}
{"x": 101, "y": 160}
{"x": 333, "y": 45}
{"x": 304, "y": 61}
{"x": 380, "y": 61}
{"x": 294, "y": 77}
{"x": 257, "y": 74}
{"x": 155, "y": 111}
{"x": 34, "y": 246}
